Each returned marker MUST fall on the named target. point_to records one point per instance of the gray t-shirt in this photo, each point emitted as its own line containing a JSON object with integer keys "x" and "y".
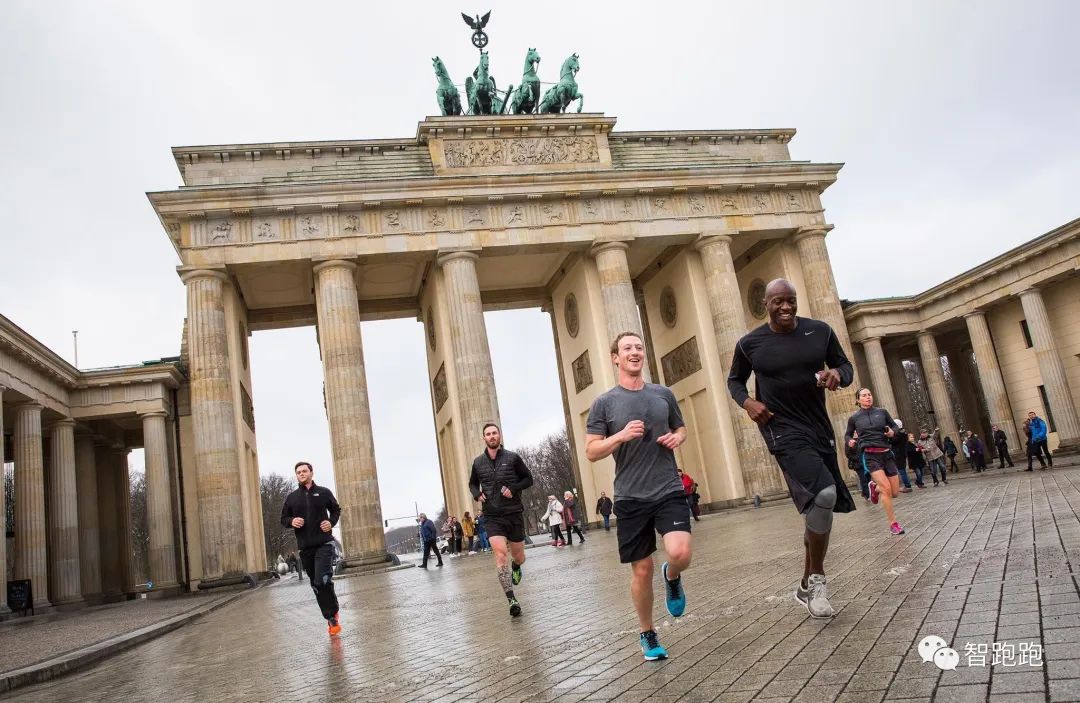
{"x": 644, "y": 470}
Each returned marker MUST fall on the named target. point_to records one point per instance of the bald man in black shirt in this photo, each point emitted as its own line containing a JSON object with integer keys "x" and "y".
{"x": 794, "y": 360}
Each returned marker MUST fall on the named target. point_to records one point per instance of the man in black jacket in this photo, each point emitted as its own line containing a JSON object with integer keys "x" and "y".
{"x": 497, "y": 480}
{"x": 1001, "y": 443}
{"x": 312, "y": 511}
{"x": 603, "y": 507}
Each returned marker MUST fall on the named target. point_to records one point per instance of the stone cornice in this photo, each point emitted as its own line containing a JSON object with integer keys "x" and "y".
{"x": 36, "y": 354}
{"x": 196, "y": 201}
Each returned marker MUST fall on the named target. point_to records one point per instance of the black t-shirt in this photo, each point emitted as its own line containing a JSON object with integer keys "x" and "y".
{"x": 784, "y": 365}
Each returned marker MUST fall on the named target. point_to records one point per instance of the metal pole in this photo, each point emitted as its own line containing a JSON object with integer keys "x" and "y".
{"x": 75, "y": 337}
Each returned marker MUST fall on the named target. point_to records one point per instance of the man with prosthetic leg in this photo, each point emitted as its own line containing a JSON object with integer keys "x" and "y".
{"x": 497, "y": 480}
{"x": 794, "y": 361}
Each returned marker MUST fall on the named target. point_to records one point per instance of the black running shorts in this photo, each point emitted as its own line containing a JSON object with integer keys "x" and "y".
{"x": 879, "y": 461}
{"x": 511, "y": 526}
{"x": 639, "y": 521}
{"x": 808, "y": 470}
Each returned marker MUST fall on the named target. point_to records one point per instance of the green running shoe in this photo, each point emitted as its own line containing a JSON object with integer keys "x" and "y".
{"x": 515, "y": 574}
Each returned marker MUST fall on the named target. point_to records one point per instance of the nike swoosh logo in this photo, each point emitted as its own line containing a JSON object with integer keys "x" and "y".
{"x": 807, "y": 334}
{"x": 678, "y": 523}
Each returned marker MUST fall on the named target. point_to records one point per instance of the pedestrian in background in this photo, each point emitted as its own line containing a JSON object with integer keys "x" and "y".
{"x": 468, "y": 528}
{"x": 570, "y": 519}
{"x": 603, "y": 508}
{"x": 553, "y": 517}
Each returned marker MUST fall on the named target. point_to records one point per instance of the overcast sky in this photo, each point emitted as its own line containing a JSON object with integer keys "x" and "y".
{"x": 956, "y": 122}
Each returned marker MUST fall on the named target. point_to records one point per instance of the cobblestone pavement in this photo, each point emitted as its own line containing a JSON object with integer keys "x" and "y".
{"x": 25, "y": 641}
{"x": 986, "y": 559}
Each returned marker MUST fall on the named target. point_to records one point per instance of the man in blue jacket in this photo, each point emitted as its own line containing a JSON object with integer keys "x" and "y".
{"x": 429, "y": 537}
{"x": 1037, "y": 446}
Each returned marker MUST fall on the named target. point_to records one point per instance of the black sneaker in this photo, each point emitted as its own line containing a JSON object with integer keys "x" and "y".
{"x": 515, "y": 607}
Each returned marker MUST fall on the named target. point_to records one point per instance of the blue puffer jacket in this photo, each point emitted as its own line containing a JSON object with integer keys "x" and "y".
{"x": 1038, "y": 430}
{"x": 427, "y": 531}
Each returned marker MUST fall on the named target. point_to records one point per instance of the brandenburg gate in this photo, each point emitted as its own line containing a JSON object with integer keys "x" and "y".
{"x": 671, "y": 234}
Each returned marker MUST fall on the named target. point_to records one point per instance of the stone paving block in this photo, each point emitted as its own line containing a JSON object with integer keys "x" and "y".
{"x": 1065, "y": 690}
{"x": 1026, "y": 682}
{"x": 908, "y": 687}
{"x": 970, "y": 693}
{"x": 860, "y": 697}
{"x": 869, "y": 681}
{"x": 1065, "y": 634}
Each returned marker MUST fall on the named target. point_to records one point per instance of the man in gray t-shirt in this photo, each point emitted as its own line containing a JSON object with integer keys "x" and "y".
{"x": 644, "y": 469}
{"x": 640, "y": 424}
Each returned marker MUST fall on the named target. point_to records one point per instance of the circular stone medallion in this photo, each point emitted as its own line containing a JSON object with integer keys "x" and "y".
{"x": 669, "y": 312}
{"x": 429, "y": 321}
{"x": 755, "y": 298}
{"x": 570, "y": 312}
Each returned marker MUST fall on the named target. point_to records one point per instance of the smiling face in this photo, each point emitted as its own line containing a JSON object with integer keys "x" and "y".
{"x": 629, "y": 354}
{"x": 781, "y": 303}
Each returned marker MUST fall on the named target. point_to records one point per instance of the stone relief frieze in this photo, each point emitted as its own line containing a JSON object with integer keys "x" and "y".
{"x": 310, "y": 226}
{"x": 582, "y": 372}
{"x": 570, "y": 314}
{"x": 590, "y": 208}
{"x": 471, "y": 153}
{"x": 681, "y": 362}
{"x": 266, "y": 231}
{"x": 438, "y": 388}
{"x": 221, "y": 232}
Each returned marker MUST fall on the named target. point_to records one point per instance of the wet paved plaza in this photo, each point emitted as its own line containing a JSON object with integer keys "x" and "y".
{"x": 986, "y": 559}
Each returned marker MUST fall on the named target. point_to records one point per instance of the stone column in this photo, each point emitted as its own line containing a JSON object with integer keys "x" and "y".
{"x": 759, "y": 474}
{"x": 31, "y": 557}
{"x": 162, "y": 553}
{"x": 905, "y": 410}
{"x": 825, "y": 306}
{"x": 111, "y": 580}
{"x": 990, "y": 378}
{"x": 125, "y": 543}
{"x": 3, "y": 515}
{"x": 63, "y": 516}
{"x": 880, "y": 384}
{"x": 87, "y": 498}
{"x": 1052, "y": 370}
{"x": 348, "y": 412}
{"x": 213, "y": 415}
{"x": 620, "y": 307}
{"x": 468, "y": 338}
{"x": 934, "y": 377}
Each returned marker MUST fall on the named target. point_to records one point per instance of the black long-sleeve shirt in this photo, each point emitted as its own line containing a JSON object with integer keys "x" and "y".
{"x": 314, "y": 504}
{"x": 871, "y": 425}
{"x": 490, "y": 475}
{"x": 784, "y": 365}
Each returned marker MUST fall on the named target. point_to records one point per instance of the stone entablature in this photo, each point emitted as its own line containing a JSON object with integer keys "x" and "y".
{"x": 436, "y": 215}
{"x": 34, "y": 371}
{"x": 1048, "y": 258}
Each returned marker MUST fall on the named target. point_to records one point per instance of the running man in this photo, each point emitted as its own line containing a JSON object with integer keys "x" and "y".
{"x": 874, "y": 430}
{"x": 640, "y": 423}
{"x": 788, "y": 356}
{"x": 312, "y": 511}
{"x": 497, "y": 480}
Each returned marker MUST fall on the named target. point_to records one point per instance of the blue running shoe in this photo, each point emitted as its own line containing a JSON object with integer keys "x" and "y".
{"x": 651, "y": 648}
{"x": 676, "y": 597}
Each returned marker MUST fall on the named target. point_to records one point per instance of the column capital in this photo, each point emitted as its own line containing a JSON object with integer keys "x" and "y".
{"x": 1030, "y": 290}
{"x": 444, "y": 257}
{"x": 925, "y": 333}
{"x": 324, "y": 264}
{"x": 189, "y": 275}
{"x": 802, "y": 233}
{"x": 29, "y": 405}
{"x": 64, "y": 422}
{"x": 153, "y": 413}
{"x": 610, "y": 245}
{"x": 707, "y": 239}
{"x": 871, "y": 340}
{"x": 975, "y": 313}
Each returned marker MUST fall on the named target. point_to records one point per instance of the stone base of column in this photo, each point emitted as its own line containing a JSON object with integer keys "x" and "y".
{"x": 69, "y": 606}
{"x": 1068, "y": 451}
{"x": 94, "y": 598}
{"x": 167, "y": 591}
{"x": 371, "y": 562}
{"x": 242, "y": 580}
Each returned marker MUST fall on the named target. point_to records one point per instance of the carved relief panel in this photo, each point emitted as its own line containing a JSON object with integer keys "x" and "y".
{"x": 681, "y": 362}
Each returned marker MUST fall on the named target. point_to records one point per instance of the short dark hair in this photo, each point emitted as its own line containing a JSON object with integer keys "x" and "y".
{"x": 303, "y": 463}
{"x": 615, "y": 344}
{"x": 490, "y": 424}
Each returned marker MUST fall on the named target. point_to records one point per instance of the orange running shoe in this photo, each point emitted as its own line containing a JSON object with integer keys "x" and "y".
{"x": 333, "y": 625}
